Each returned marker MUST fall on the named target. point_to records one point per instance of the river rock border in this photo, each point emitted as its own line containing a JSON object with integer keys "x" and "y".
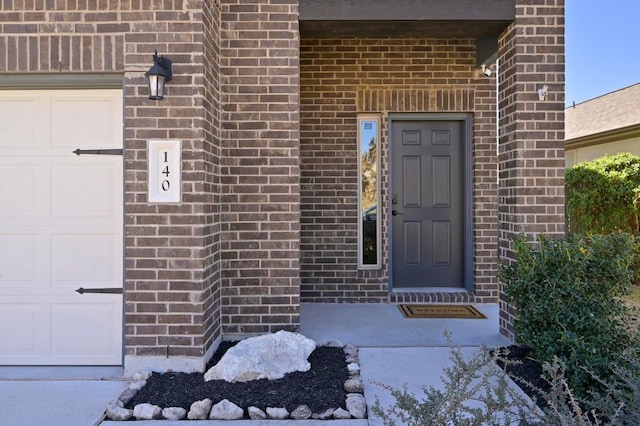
{"x": 226, "y": 410}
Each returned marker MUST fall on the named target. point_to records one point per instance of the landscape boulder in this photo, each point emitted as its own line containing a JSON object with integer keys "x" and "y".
{"x": 174, "y": 413}
{"x": 341, "y": 414}
{"x": 147, "y": 412}
{"x": 256, "y": 414}
{"x": 117, "y": 412}
{"x": 303, "y": 412}
{"x": 226, "y": 410}
{"x": 356, "y": 405}
{"x": 277, "y": 413}
{"x": 353, "y": 385}
{"x": 199, "y": 410}
{"x": 269, "y": 356}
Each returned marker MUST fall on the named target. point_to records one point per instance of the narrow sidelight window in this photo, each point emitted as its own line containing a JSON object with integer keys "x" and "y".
{"x": 369, "y": 192}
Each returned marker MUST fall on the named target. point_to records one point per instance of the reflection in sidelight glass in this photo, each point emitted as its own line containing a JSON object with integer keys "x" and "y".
{"x": 369, "y": 196}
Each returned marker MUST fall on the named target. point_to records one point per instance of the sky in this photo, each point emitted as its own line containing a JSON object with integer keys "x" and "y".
{"x": 602, "y": 47}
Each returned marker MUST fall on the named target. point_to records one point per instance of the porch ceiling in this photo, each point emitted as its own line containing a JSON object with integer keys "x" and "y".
{"x": 378, "y": 29}
{"x": 405, "y": 18}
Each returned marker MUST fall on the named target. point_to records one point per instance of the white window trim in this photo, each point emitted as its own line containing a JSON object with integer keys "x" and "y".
{"x": 378, "y": 264}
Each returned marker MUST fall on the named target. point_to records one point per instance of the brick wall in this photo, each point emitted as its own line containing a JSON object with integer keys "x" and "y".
{"x": 339, "y": 79}
{"x": 171, "y": 248}
{"x": 531, "y": 193}
{"x": 40, "y": 37}
{"x": 260, "y": 170}
{"x": 172, "y": 260}
{"x": 212, "y": 299}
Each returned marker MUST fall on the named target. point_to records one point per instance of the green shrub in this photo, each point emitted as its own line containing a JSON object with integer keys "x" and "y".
{"x": 567, "y": 294}
{"x": 620, "y": 402}
{"x": 602, "y": 195}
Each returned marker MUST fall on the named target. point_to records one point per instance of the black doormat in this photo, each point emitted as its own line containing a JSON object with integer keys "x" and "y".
{"x": 441, "y": 311}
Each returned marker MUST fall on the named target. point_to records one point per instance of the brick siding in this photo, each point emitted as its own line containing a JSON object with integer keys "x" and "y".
{"x": 531, "y": 194}
{"x": 260, "y": 171}
{"x": 212, "y": 297}
{"x": 343, "y": 77}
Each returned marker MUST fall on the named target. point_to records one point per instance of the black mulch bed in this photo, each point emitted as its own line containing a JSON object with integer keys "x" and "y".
{"x": 320, "y": 388}
{"x": 524, "y": 371}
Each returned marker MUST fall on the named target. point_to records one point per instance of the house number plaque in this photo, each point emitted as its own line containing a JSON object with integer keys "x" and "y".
{"x": 165, "y": 171}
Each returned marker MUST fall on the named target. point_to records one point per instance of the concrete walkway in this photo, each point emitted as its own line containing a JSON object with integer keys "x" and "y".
{"x": 393, "y": 350}
{"x": 56, "y": 396}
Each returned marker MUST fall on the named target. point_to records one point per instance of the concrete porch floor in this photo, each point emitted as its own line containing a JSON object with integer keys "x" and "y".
{"x": 383, "y": 326}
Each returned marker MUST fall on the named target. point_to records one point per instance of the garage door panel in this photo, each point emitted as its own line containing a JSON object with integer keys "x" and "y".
{"x": 61, "y": 227}
{"x": 19, "y": 254}
{"x": 19, "y": 109}
{"x": 19, "y": 328}
{"x": 87, "y": 259}
{"x": 19, "y": 184}
{"x": 78, "y": 330}
{"x": 91, "y": 197}
{"x": 82, "y": 122}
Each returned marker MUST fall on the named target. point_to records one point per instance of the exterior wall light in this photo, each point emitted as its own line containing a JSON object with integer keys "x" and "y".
{"x": 543, "y": 92}
{"x": 158, "y": 75}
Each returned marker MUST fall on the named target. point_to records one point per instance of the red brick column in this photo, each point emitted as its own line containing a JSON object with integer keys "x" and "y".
{"x": 261, "y": 171}
{"x": 531, "y": 153}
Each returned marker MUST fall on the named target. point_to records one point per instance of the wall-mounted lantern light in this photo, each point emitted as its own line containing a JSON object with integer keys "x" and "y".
{"x": 158, "y": 75}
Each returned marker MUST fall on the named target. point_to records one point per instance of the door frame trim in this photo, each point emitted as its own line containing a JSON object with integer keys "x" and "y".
{"x": 467, "y": 134}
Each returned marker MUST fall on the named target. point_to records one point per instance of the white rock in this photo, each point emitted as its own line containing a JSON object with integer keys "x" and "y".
{"x": 356, "y": 405}
{"x": 350, "y": 350}
{"x": 146, "y": 412}
{"x": 137, "y": 385}
{"x": 199, "y": 410}
{"x": 327, "y": 414}
{"x": 226, "y": 410}
{"x": 277, "y": 413}
{"x": 303, "y": 412}
{"x": 333, "y": 344}
{"x": 174, "y": 413}
{"x": 341, "y": 413}
{"x": 117, "y": 402}
{"x": 354, "y": 368}
{"x": 353, "y": 385}
{"x": 269, "y": 356}
{"x": 127, "y": 395}
{"x": 142, "y": 375}
{"x": 256, "y": 414}
{"x": 116, "y": 411}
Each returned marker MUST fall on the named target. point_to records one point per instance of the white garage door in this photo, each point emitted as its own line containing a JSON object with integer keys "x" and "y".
{"x": 60, "y": 227}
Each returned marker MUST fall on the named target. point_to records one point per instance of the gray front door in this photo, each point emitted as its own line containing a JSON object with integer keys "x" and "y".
{"x": 427, "y": 202}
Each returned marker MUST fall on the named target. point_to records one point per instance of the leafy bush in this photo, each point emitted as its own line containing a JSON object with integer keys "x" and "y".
{"x": 620, "y": 402}
{"x": 602, "y": 195}
{"x": 567, "y": 294}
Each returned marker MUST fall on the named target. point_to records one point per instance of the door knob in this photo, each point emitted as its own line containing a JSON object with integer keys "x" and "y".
{"x": 395, "y": 213}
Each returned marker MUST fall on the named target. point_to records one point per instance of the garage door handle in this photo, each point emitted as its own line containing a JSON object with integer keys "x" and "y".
{"x": 114, "y": 290}
{"x": 98, "y": 151}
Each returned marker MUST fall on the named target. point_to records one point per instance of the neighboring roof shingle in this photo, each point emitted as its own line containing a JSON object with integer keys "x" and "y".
{"x": 612, "y": 111}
